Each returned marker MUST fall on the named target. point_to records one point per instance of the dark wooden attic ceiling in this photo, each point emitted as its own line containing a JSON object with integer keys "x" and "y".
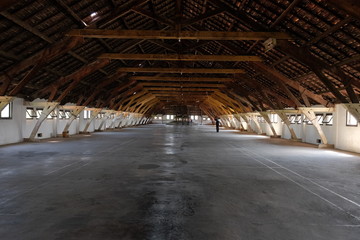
{"x": 39, "y": 60}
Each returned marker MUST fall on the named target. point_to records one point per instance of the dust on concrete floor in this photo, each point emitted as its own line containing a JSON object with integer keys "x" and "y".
{"x": 177, "y": 182}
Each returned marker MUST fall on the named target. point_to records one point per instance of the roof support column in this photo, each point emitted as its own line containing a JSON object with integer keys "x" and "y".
{"x": 246, "y": 119}
{"x": 48, "y": 107}
{"x": 257, "y": 124}
{"x": 107, "y": 115}
{"x": 94, "y": 113}
{"x": 116, "y": 117}
{"x": 285, "y": 119}
{"x": 268, "y": 121}
{"x": 310, "y": 114}
{"x": 238, "y": 118}
{"x": 121, "y": 118}
{"x": 75, "y": 112}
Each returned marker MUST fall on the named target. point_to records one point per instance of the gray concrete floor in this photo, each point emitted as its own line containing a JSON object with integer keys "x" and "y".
{"x": 177, "y": 182}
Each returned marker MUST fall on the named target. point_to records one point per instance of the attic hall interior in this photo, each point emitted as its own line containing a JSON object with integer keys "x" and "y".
{"x": 179, "y": 119}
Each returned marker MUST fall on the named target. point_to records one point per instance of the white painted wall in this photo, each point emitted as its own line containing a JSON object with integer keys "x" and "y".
{"x": 347, "y": 137}
{"x": 18, "y": 127}
{"x": 11, "y": 130}
{"x": 342, "y": 136}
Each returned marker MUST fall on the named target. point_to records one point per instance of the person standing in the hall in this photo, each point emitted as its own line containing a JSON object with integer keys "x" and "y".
{"x": 217, "y": 123}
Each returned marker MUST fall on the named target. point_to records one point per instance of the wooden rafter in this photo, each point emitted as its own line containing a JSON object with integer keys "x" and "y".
{"x": 167, "y": 34}
{"x": 182, "y": 85}
{"x": 183, "y": 70}
{"x": 181, "y": 89}
{"x": 180, "y": 57}
{"x": 181, "y": 79}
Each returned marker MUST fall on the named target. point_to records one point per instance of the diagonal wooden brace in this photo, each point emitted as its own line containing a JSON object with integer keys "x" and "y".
{"x": 246, "y": 119}
{"x": 257, "y": 124}
{"x": 94, "y": 113}
{"x": 268, "y": 121}
{"x": 48, "y": 107}
{"x": 107, "y": 115}
{"x": 116, "y": 118}
{"x": 5, "y": 100}
{"x": 285, "y": 119}
{"x": 310, "y": 114}
{"x": 238, "y": 118}
{"x": 75, "y": 112}
{"x": 354, "y": 109}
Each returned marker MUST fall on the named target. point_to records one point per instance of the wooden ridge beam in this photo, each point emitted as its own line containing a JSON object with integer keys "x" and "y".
{"x": 166, "y": 34}
{"x": 182, "y": 89}
{"x": 181, "y": 85}
{"x": 180, "y": 57}
{"x": 197, "y": 97}
{"x": 183, "y": 70}
{"x": 180, "y": 79}
{"x": 178, "y": 94}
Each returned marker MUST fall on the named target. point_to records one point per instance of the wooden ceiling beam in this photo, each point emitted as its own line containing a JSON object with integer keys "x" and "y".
{"x": 186, "y": 94}
{"x": 180, "y": 57}
{"x": 182, "y": 89}
{"x": 183, "y": 70}
{"x": 181, "y": 79}
{"x": 181, "y": 85}
{"x": 168, "y": 34}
